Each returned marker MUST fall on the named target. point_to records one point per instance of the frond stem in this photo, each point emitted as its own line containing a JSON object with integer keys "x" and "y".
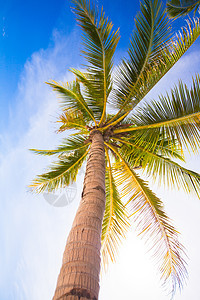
{"x": 72, "y": 123}
{"x": 114, "y": 123}
{"x": 169, "y": 122}
{"x": 151, "y": 153}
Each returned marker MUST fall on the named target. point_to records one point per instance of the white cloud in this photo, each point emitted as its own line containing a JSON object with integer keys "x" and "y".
{"x": 33, "y": 232}
{"x": 3, "y": 32}
{"x": 3, "y": 27}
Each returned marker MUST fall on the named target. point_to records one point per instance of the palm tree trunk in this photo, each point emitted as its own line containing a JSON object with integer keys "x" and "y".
{"x": 79, "y": 275}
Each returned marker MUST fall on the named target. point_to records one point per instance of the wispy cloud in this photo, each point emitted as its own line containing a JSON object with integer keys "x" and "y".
{"x": 28, "y": 262}
{"x": 3, "y": 32}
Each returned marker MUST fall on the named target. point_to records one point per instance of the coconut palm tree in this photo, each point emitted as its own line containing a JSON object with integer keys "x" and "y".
{"x": 126, "y": 141}
{"x": 177, "y": 8}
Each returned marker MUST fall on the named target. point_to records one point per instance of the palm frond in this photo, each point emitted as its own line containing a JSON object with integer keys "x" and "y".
{"x": 175, "y": 117}
{"x": 72, "y": 98}
{"x": 61, "y": 173}
{"x": 99, "y": 42}
{"x": 115, "y": 222}
{"x": 177, "y": 8}
{"x": 151, "y": 34}
{"x": 167, "y": 59}
{"x": 74, "y": 120}
{"x": 161, "y": 168}
{"x": 67, "y": 146}
{"x": 158, "y": 146}
{"x": 152, "y": 223}
{"x": 89, "y": 92}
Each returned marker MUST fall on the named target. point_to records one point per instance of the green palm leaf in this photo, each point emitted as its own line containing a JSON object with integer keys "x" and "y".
{"x": 99, "y": 42}
{"x": 89, "y": 92}
{"x": 61, "y": 173}
{"x": 72, "y": 98}
{"x": 115, "y": 222}
{"x": 74, "y": 120}
{"x": 175, "y": 117}
{"x": 147, "y": 211}
{"x": 168, "y": 56}
{"x": 153, "y": 145}
{"x": 161, "y": 168}
{"x": 67, "y": 146}
{"x": 152, "y": 32}
{"x": 177, "y": 8}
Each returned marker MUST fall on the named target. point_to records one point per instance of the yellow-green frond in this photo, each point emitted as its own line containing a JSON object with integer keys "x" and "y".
{"x": 175, "y": 117}
{"x": 61, "y": 173}
{"x": 115, "y": 222}
{"x": 99, "y": 41}
{"x": 67, "y": 146}
{"x": 168, "y": 56}
{"x": 74, "y": 120}
{"x": 152, "y": 223}
{"x": 72, "y": 99}
{"x": 152, "y": 33}
{"x": 161, "y": 169}
{"x": 160, "y": 146}
{"x": 90, "y": 91}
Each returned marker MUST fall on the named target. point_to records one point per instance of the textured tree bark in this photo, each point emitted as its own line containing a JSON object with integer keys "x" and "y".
{"x": 79, "y": 274}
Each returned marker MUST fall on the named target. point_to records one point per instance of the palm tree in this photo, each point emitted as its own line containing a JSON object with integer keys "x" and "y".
{"x": 177, "y": 8}
{"x": 120, "y": 136}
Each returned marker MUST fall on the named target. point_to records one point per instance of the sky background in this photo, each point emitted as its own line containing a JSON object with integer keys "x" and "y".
{"x": 39, "y": 41}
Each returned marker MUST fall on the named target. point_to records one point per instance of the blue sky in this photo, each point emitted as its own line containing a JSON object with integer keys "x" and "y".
{"x": 40, "y": 41}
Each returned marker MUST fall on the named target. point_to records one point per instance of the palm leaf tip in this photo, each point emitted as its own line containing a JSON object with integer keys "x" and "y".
{"x": 61, "y": 173}
{"x": 177, "y": 8}
{"x": 153, "y": 225}
{"x": 68, "y": 145}
{"x": 44, "y": 152}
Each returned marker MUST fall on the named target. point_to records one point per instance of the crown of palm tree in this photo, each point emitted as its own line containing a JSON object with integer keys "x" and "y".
{"x": 146, "y": 137}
